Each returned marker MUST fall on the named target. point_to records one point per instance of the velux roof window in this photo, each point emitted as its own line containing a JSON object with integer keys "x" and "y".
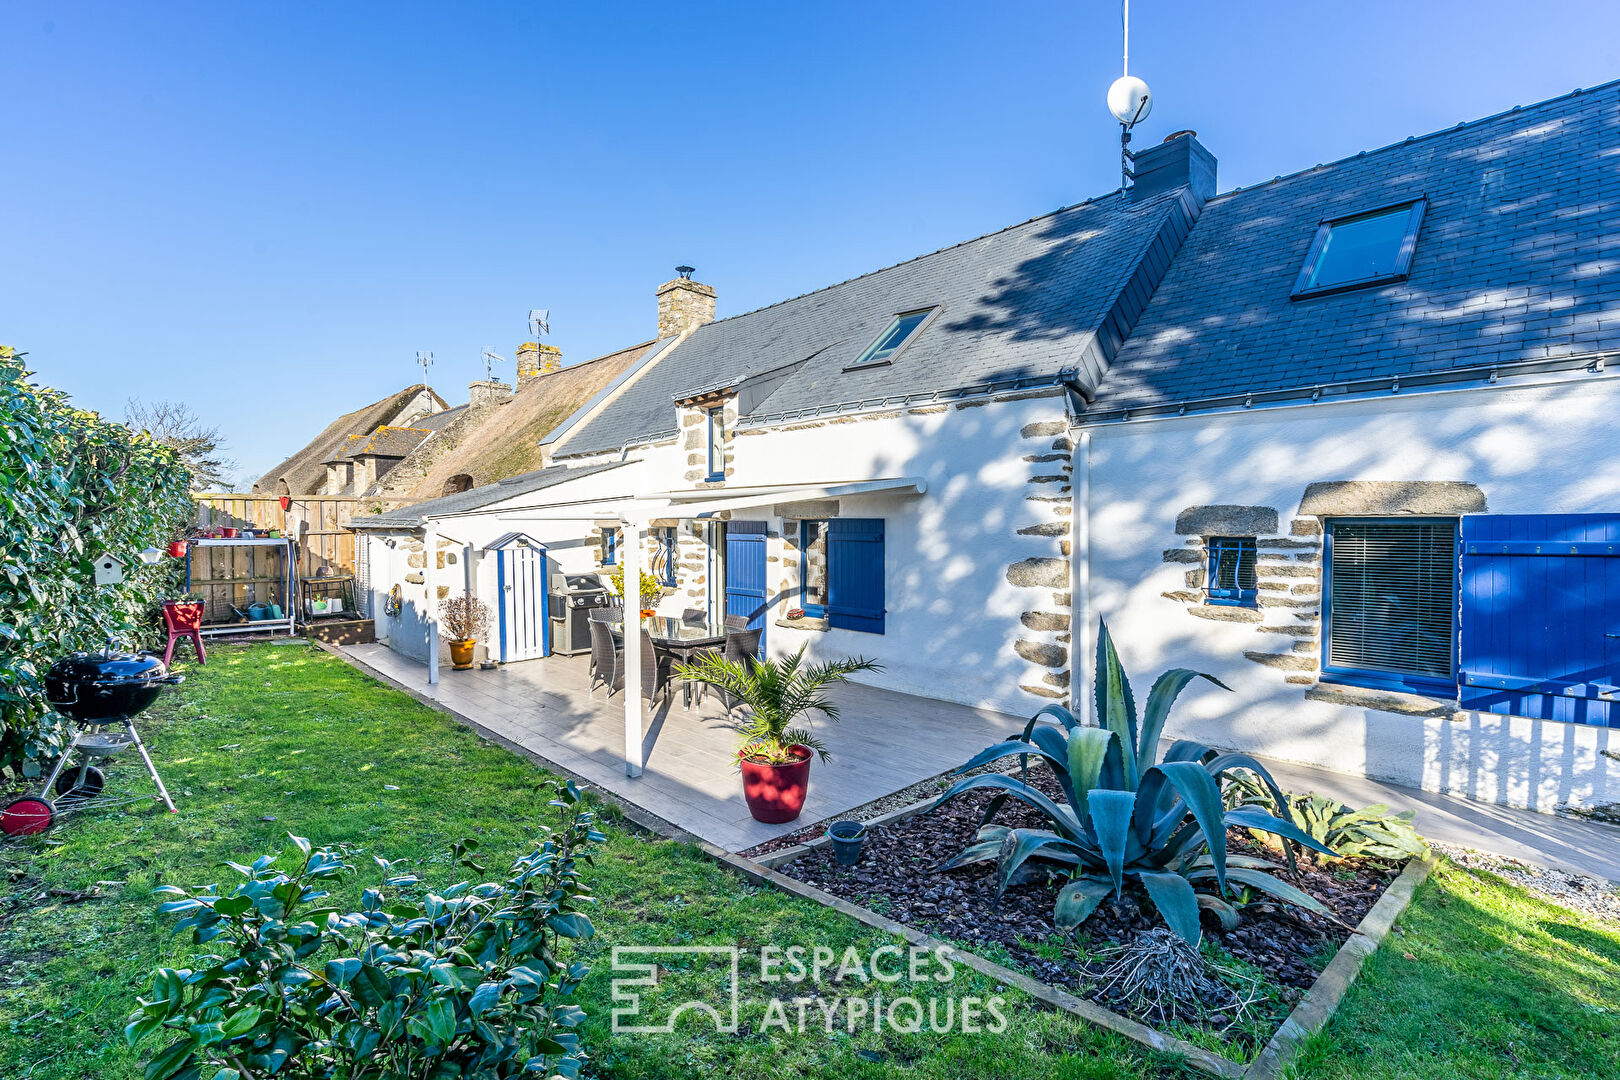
{"x": 895, "y": 337}
{"x": 1370, "y": 248}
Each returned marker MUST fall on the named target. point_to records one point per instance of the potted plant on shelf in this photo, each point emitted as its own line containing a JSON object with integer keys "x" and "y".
{"x": 178, "y": 544}
{"x": 651, "y": 591}
{"x": 774, "y": 754}
{"x": 466, "y": 618}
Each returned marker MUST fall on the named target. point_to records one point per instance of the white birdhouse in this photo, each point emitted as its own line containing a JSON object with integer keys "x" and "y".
{"x": 109, "y": 570}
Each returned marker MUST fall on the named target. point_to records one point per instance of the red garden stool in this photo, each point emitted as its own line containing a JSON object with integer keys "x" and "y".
{"x": 183, "y": 619}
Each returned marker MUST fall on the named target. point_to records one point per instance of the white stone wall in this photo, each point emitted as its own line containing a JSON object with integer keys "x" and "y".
{"x": 1543, "y": 448}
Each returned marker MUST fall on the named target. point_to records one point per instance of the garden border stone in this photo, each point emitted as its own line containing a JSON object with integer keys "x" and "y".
{"x": 1308, "y": 1017}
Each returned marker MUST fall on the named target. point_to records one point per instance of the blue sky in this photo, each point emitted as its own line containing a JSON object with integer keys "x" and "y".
{"x": 266, "y": 210}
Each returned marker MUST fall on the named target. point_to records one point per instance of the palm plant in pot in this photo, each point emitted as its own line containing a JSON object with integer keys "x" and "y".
{"x": 466, "y": 619}
{"x": 776, "y": 745}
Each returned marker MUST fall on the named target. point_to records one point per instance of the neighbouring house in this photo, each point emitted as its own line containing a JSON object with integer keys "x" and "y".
{"x": 1343, "y": 439}
{"x": 310, "y": 471}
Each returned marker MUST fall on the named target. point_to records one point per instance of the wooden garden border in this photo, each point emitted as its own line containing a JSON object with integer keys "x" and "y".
{"x": 1308, "y": 1017}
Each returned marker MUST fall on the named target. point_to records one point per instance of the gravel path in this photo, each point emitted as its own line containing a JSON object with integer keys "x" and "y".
{"x": 1579, "y": 892}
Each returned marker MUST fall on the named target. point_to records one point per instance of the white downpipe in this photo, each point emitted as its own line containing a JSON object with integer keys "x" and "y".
{"x": 630, "y": 562}
{"x": 1080, "y": 581}
{"x": 430, "y": 578}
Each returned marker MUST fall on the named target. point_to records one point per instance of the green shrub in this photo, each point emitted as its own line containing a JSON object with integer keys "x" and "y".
{"x": 469, "y": 982}
{"x": 72, "y": 487}
{"x": 1125, "y": 815}
{"x": 1373, "y": 832}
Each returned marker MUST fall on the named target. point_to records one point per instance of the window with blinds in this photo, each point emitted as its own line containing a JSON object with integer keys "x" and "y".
{"x": 1391, "y": 600}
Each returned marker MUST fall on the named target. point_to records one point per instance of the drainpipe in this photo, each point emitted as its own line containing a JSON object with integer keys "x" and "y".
{"x": 430, "y": 563}
{"x": 1080, "y": 621}
{"x": 630, "y": 557}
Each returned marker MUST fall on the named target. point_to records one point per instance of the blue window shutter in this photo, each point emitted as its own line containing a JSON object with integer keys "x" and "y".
{"x": 855, "y": 574}
{"x": 1539, "y": 610}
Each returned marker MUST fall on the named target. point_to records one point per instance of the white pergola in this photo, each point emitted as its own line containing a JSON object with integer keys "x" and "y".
{"x": 633, "y": 516}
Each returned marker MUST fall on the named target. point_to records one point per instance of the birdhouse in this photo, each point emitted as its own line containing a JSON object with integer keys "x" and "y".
{"x": 109, "y": 570}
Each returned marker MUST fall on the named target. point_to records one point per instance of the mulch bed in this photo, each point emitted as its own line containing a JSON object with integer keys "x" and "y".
{"x": 897, "y": 877}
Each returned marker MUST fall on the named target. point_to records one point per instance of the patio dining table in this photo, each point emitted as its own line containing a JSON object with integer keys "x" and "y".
{"x": 678, "y": 638}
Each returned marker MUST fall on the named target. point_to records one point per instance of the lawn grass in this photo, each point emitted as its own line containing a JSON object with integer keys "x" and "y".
{"x": 1500, "y": 984}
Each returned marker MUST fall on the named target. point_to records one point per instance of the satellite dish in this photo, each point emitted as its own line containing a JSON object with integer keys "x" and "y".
{"x": 1130, "y": 100}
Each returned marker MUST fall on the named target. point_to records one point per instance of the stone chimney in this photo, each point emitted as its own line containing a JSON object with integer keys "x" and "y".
{"x": 490, "y": 392}
{"x": 1180, "y": 160}
{"x": 534, "y": 360}
{"x": 683, "y": 304}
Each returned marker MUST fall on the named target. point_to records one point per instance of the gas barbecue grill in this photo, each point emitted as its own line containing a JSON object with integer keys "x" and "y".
{"x": 572, "y": 598}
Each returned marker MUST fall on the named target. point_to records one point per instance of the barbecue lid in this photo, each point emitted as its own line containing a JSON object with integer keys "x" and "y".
{"x": 107, "y": 666}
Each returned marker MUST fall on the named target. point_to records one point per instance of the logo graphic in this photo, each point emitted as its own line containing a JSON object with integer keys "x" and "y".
{"x": 637, "y": 966}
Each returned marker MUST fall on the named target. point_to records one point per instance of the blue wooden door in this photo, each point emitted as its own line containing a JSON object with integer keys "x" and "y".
{"x": 745, "y": 574}
{"x": 1539, "y": 616}
{"x": 521, "y": 574}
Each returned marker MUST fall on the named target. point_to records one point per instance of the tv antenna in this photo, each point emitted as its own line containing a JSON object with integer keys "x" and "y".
{"x": 539, "y": 322}
{"x": 425, "y": 359}
{"x": 1129, "y": 99}
{"x": 491, "y": 358}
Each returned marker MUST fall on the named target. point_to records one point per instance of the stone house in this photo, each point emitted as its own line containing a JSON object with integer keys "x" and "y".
{"x": 1319, "y": 437}
{"x": 309, "y": 471}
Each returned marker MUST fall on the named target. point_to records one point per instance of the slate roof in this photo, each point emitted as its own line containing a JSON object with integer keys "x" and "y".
{"x": 1022, "y": 303}
{"x": 441, "y": 419}
{"x": 410, "y": 517}
{"x": 1518, "y": 259}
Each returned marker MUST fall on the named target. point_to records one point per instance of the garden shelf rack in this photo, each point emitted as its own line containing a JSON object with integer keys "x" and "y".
{"x": 238, "y": 578}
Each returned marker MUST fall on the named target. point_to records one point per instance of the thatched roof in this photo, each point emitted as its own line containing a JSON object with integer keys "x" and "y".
{"x": 506, "y": 441}
{"x": 305, "y": 472}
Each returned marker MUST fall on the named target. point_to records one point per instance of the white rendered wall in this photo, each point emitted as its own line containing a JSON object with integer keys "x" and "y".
{"x": 1532, "y": 449}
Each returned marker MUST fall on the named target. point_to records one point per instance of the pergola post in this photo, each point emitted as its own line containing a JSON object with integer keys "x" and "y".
{"x": 630, "y": 558}
{"x": 430, "y": 578}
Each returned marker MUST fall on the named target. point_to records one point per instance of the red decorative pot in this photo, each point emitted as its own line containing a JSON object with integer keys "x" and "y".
{"x": 182, "y": 617}
{"x": 775, "y": 793}
{"x": 177, "y": 549}
{"x": 230, "y": 534}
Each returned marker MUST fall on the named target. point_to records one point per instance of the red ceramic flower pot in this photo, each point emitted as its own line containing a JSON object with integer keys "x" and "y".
{"x": 182, "y": 618}
{"x": 775, "y": 793}
{"x": 230, "y": 534}
{"x": 177, "y": 549}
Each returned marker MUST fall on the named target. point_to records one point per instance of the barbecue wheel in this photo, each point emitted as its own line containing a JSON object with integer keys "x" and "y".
{"x": 70, "y": 785}
{"x": 26, "y": 816}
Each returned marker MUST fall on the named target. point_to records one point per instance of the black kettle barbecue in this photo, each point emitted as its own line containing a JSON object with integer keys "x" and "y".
{"x": 97, "y": 690}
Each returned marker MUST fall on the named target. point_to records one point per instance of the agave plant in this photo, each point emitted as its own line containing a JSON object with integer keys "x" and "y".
{"x": 1373, "y": 832}
{"x": 1126, "y": 815}
{"x": 778, "y": 693}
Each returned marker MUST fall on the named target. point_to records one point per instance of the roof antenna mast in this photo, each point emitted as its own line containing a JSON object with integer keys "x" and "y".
{"x": 1129, "y": 99}
{"x": 424, "y": 358}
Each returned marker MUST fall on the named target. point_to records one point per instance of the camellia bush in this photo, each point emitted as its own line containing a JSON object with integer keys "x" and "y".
{"x": 73, "y": 487}
{"x": 472, "y": 981}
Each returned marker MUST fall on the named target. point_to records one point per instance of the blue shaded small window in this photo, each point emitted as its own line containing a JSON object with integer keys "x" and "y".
{"x": 893, "y": 339}
{"x": 1371, "y": 248}
{"x": 664, "y": 555}
{"x": 1231, "y": 570}
{"x": 610, "y": 547}
{"x": 716, "y": 424}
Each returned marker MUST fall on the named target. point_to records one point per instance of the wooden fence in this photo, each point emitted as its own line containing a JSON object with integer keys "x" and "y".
{"x": 320, "y": 524}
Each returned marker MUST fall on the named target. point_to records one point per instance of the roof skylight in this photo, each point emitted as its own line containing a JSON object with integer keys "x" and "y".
{"x": 895, "y": 337}
{"x": 1370, "y": 248}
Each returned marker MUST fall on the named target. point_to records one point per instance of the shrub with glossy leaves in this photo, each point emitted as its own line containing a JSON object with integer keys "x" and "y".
{"x": 72, "y": 487}
{"x": 1373, "y": 832}
{"x": 1126, "y": 815}
{"x": 472, "y": 981}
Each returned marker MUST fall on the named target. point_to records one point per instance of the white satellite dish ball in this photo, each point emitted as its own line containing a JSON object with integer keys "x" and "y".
{"x": 1130, "y": 100}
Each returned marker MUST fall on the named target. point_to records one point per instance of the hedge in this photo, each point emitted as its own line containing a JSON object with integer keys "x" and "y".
{"x": 72, "y": 488}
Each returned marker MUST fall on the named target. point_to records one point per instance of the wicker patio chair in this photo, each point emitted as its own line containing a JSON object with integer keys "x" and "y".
{"x": 736, "y": 622}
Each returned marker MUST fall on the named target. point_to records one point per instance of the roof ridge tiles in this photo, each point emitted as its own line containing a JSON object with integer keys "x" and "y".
{"x": 1613, "y": 84}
